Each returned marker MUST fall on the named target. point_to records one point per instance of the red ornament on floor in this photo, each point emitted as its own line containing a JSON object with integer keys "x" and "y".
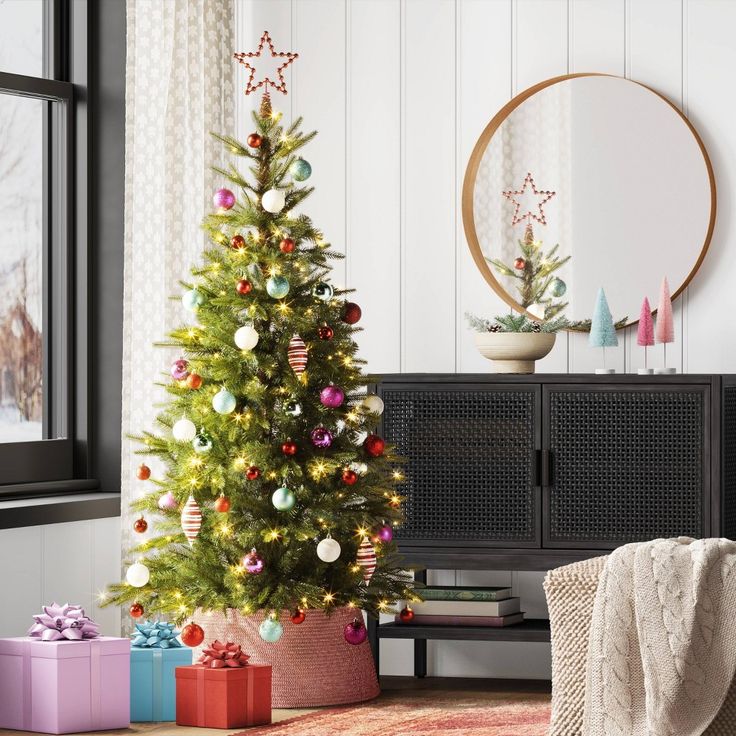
{"x": 143, "y": 472}
{"x": 349, "y": 477}
{"x": 136, "y": 610}
{"x": 253, "y": 473}
{"x": 289, "y": 448}
{"x": 287, "y": 245}
{"x": 406, "y": 615}
{"x": 243, "y": 287}
{"x": 255, "y": 140}
{"x": 374, "y": 445}
{"x": 298, "y": 616}
{"x": 140, "y": 525}
{"x": 192, "y": 635}
{"x": 325, "y": 332}
{"x": 351, "y": 313}
{"x": 194, "y": 381}
{"x": 222, "y": 504}
{"x": 237, "y": 242}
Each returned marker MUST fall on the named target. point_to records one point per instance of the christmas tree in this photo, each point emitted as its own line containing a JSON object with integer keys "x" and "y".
{"x": 277, "y": 495}
{"x": 602, "y": 330}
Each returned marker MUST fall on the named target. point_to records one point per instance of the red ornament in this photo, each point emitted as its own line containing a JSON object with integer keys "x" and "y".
{"x": 253, "y": 473}
{"x": 287, "y": 245}
{"x": 192, "y": 635}
{"x": 222, "y": 504}
{"x": 298, "y": 616}
{"x": 374, "y": 445}
{"x": 136, "y": 610}
{"x": 143, "y": 472}
{"x": 140, "y": 525}
{"x": 519, "y": 264}
{"x": 349, "y": 477}
{"x": 255, "y": 140}
{"x": 325, "y": 332}
{"x": 194, "y": 381}
{"x": 289, "y": 448}
{"x": 237, "y": 242}
{"x": 351, "y": 313}
{"x": 243, "y": 287}
{"x": 406, "y": 615}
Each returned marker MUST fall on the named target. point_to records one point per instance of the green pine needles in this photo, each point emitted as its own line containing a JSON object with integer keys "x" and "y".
{"x": 342, "y": 490}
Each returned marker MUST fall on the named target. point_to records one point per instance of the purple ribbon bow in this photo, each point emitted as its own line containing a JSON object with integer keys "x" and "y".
{"x": 63, "y": 622}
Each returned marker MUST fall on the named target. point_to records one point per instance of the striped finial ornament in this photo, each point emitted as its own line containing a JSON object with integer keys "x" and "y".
{"x": 191, "y": 520}
{"x": 297, "y": 355}
{"x": 367, "y": 560}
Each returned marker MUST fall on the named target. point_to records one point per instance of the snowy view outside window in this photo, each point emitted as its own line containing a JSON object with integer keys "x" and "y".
{"x": 21, "y": 220}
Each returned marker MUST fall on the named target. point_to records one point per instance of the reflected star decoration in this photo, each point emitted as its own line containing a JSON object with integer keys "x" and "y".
{"x": 245, "y": 57}
{"x": 542, "y": 195}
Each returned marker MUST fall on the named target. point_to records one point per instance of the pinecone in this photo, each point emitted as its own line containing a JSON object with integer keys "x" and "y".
{"x": 494, "y": 328}
{"x": 536, "y": 327}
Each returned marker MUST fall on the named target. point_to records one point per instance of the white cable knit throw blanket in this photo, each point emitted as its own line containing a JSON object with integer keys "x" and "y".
{"x": 662, "y": 648}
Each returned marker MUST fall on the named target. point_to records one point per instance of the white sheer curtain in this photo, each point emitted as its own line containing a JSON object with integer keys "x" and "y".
{"x": 179, "y": 88}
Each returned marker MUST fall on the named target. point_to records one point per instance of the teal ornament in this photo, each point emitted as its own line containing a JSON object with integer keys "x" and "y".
{"x": 283, "y": 499}
{"x": 202, "y": 443}
{"x": 300, "y": 170}
{"x": 270, "y": 630}
{"x": 558, "y": 287}
{"x": 192, "y": 300}
{"x": 155, "y": 635}
{"x": 602, "y": 331}
{"x": 223, "y": 402}
{"x": 322, "y": 291}
{"x": 277, "y": 287}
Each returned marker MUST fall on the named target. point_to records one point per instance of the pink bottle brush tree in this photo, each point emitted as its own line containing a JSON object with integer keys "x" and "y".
{"x": 645, "y": 333}
{"x": 665, "y": 329}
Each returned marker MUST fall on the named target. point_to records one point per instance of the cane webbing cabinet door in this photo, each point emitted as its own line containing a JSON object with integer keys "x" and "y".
{"x": 625, "y": 463}
{"x": 471, "y": 475}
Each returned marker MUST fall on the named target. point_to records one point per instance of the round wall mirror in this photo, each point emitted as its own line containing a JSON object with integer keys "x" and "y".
{"x": 588, "y": 181}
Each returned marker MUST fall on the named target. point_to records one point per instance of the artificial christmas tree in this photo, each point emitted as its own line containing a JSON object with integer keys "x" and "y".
{"x": 602, "y": 329}
{"x": 645, "y": 334}
{"x": 665, "y": 329}
{"x": 275, "y": 423}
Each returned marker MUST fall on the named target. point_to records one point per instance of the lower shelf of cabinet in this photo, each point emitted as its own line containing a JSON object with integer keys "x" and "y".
{"x": 532, "y": 629}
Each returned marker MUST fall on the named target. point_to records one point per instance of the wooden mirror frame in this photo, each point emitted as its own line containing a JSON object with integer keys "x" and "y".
{"x": 471, "y": 173}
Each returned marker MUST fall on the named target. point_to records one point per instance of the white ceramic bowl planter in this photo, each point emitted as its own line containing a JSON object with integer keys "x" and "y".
{"x": 514, "y": 352}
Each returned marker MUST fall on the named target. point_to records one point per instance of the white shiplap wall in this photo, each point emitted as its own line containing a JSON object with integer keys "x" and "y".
{"x": 400, "y": 91}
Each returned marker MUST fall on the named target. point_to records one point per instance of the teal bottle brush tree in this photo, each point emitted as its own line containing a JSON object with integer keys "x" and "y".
{"x": 278, "y": 495}
{"x": 602, "y": 330}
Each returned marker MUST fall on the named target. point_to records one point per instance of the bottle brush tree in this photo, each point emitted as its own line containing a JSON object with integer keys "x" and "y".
{"x": 602, "y": 329}
{"x": 645, "y": 331}
{"x": 665, "y": 329}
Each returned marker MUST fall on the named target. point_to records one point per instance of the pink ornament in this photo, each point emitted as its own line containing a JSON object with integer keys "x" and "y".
{"x": 321, "y": 437}
{"x": 367, "y": 560}
{"x": 224, "y": 199}
{"x": 297, "y": 355}
{"x": 355, "y": 632}
{"x": 167, "y": 502}
{"x": 191, "y": 520}
{"x": 253, "y": 562}
{"x": 645, "y": 333}
{"x": 332, "y": 396}
{"x": 179, "y": 369}
{"x": 665, "y": 329}
{"x": 386, "y": 533}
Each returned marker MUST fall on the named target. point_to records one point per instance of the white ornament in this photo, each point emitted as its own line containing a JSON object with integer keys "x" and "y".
{"x": 373, "y": 404}
{"x": 246, "y": 338}
{"x": 184, "y": 430}
{"x": 273, "y": 200}
{"x": 359, "y": 438}
{"x": 359, "y": 468}
{"x": 137, "y": 575}
{"x": 328, "y": 550}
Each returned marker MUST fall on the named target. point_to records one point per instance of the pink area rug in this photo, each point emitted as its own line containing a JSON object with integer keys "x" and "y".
{"x": 445, "y": 714}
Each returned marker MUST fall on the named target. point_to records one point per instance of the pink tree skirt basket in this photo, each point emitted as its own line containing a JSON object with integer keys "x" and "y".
{"x": 312, "y": 663}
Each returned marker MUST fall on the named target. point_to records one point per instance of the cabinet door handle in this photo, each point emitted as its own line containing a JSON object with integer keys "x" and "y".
{"x": 537, "y": 479}
{"x": 547, "y": 468}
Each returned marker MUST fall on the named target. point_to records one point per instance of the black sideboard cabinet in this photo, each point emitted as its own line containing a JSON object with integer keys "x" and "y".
{"x": 535, "y": 471}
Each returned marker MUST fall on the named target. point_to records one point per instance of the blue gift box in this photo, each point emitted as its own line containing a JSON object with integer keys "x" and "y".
{"x": 152, "y": 682}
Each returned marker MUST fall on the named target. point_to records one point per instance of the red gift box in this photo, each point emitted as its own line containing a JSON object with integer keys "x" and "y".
{"x": 226, "y": 697}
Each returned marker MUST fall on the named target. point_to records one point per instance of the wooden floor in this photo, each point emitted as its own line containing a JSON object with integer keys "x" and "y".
{"x": 405, "y": 688}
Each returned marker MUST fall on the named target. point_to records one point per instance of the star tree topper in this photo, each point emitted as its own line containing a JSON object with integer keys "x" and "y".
{"x": 530, "y": 214}
{"x": 245, "y": 58}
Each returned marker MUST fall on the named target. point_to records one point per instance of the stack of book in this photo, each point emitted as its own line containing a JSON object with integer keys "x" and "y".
{"x": 461, "y": 606}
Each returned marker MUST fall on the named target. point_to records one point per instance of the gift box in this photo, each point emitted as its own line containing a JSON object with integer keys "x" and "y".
{"x": 154, "y": 656}
{"x": 64, "y": 686}
{"x": 223, "y": 691}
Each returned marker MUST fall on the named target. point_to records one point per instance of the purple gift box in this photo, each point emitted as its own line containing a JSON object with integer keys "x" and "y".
{"x": 64, "y": 686}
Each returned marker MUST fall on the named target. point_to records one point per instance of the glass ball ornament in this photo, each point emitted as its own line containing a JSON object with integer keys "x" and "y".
{"x": 355, "y": 632}
{"x": 289, "y": 448}
{"x": 253, "y": 563}
{"x": 246, "y": 337}
{"x": 184, "y": 430}
{"x": 243, "y": 287}
{"x": 273, "y": 200}
{"x": 167, "y": 502}
{"x": 143, "y": 472}
{"x": 237, "y": 242}
{"x": 254, "y": 140}
{"x": 277, "y": 287}
{"x": 374, "y": 445}
{"x": 137, "y": 575}
{"x": 253, "y": 472}
{"x": 558, "y": 287}
{"x": 406, "y": 615}
{"x": 351, "y": 313}
{"x": 328, "y": 550}
{"x": 385, "y": 533}
{"x": 321, "y": 437}
{"x": 349, "y": 477}
{"x": 323, "y": 291}
{"x": 192, "y": 300}
{"x": 325, "y": 332}
{"x": 332, "y": 396}
{"x": 270, "y": 630}
{"x": 140, "y": 525}
{"x": 298, "y": 616}
{"x": 287, "y": 245}
{"x": 194, "y": 381}
{"x": 136, "y": 610}
{"x": 293, "y": 408}
{"x": 283, "y": 499}
{"x": 373, "y": 404}
{"x": 300, "y": 170}
{"x": 224, "y": 199}
{"x": 179, "y": 369}
{"x": 202, "y": 443}
{"x": 192, "y": 635}
{"x": 519, "y": 264}
{"x": 223, "y": 402}
{"x": 222, "y": 504}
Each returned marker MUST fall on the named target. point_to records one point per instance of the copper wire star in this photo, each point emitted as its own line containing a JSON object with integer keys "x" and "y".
{"x": 544, "y": 196}
{"x": 243, "y": 57}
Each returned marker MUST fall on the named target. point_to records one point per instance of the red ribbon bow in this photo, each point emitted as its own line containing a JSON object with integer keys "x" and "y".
{"x": 223, "y": 655}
